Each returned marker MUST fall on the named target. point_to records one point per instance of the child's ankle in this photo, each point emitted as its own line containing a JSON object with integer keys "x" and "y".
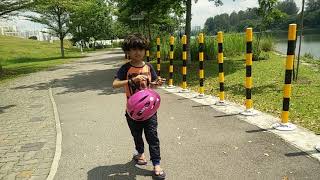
{"x": 156, "y": 163}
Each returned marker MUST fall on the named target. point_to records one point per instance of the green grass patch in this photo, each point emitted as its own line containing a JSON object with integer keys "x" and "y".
{"x": 267, "y": 91}
{"x": 23, "y": 56}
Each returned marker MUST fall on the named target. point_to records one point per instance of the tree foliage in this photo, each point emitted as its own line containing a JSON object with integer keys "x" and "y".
{"x": 93, "y": 18}
{"x": 55, "y": 15}
{"x": 11, "y": 7}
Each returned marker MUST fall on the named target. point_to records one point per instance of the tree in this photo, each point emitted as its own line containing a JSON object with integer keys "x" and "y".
{"x": 209, "y": 26}
{"x": 234, "y": 20}
{"x": 10, "y": 7}
{"x": 288, "y": 6}
{"x": 221, "y": 22}
{"x": 55, "y": 15}
{"x": 268, "y": 13}
{"x": 312, "y": 13}
{"x": 188, "y": 22}
{"x": 157, "y": 14}
{"x": 94, "y": 18}
{"x": 312, "y": 5}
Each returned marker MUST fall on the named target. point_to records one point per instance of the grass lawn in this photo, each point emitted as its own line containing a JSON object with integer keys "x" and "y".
{"x": 23, "y": 56}
{"x": 267, "y": 91}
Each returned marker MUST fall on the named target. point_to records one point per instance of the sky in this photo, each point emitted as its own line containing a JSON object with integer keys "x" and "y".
{"x": 201, "y": 10}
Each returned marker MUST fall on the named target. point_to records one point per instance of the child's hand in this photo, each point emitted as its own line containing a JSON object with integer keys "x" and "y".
{"x": 139, "y": 78}
{"x": 159, "y": 81}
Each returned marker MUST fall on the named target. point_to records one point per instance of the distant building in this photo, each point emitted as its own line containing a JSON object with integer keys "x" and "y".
{"x": 7, "y": 30}
{"x": 196, "y": 28}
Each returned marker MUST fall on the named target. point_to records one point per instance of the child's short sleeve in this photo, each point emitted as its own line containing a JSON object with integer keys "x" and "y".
{"x": 153, "y": 73}
{"x": 122, "y": 72}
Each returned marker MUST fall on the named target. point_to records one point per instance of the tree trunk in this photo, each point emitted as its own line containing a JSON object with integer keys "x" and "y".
{"x": 188, "y": 29}
{"x": 149, "y": 28}
{"x": 61, "y": 36}
{"x": 61, "y": 47}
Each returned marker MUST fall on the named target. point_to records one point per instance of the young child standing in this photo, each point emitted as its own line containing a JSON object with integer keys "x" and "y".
{"x": 134, "y": 76}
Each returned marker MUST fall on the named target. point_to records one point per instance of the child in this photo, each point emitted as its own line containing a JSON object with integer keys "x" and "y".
{"x": 134, "y": 76}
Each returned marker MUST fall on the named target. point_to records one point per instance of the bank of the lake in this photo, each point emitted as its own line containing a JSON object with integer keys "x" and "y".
{"x": 267, "y": 91}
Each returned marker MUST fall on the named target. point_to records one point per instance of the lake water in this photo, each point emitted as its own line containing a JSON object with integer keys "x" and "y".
{"x": 310, "y": 42}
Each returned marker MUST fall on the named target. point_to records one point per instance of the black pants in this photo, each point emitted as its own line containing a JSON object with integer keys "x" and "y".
{"x": 150, "y": 130}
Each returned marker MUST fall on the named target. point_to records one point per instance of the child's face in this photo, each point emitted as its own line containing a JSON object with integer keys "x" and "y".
{"x": 137, "y": 54}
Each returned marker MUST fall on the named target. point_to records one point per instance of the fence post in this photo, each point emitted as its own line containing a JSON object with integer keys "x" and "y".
{"x": 285, "y": 125}
{"x": 170, "y": 83}
{"x": 248, "y": 84}
{"x": 184, "y": 64}
{"x": 201, "y": 70}
{"x": 221, "y": 101}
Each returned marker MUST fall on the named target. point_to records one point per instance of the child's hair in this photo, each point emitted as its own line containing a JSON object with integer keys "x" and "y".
{"x": 135, "y": 41}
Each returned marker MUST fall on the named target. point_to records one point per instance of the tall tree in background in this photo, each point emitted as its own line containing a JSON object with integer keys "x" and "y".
{"x": 94, "y": 18}
{"x": 55, "y": 15}
{"x": 268, "y": 13}
{"x": 288, "y": 6}
{"x": 188, "y": 22}
{"x": 312, "y": 14}
{"x": 157, "y": 14}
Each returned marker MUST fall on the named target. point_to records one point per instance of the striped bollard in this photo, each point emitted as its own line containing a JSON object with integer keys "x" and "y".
{"x": 249, "y": 110}
{"x": 148, "y": 55}
{"x": 201, "y": 70}
{"x": 285, "y": 125}
{"x": 158, "y": 56}
{"x": 184, "y": 65}
{"x": 221, "y": 101}
{"x": 170, "y": 83}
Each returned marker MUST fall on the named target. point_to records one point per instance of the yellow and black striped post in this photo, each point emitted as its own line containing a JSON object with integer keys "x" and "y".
{"x": 184, "y": 64}
{"x": 284, "y": 125}
{"x": 158, "y": 56}
{"x": 221, "y": 101}
{"x": 201, "y": 70}
{"x": 170, "y": 85}
{"x": 148, "y": 55}
{"x": 248, "y": 83}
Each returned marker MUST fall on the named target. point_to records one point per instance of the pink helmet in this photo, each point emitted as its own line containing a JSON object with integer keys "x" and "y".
{"x": 143, "y": 104}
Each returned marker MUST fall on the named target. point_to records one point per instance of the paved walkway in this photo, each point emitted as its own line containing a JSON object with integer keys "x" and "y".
{"x": 197, "y": 142}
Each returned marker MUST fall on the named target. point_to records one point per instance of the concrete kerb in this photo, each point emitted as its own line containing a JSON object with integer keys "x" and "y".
{"x": 303, "y": 139}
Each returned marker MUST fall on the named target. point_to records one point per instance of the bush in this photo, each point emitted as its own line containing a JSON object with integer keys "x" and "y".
{"x": 234, "y": 44}
{"x": 33, "y": 38}
{"x": 267, "y": 43}
{"x": 308, "y": 56}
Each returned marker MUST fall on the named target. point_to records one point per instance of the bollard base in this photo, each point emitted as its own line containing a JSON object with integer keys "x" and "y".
{"x": 220, "y": 103}
{"x": 170, "y": 87}
{"x": 318, "y": 147}
{"x": 201, "y": 96}
{"x": 284, "y": 126}
{"x": 184, "y": 91}
{"x": 249, "y": 112}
